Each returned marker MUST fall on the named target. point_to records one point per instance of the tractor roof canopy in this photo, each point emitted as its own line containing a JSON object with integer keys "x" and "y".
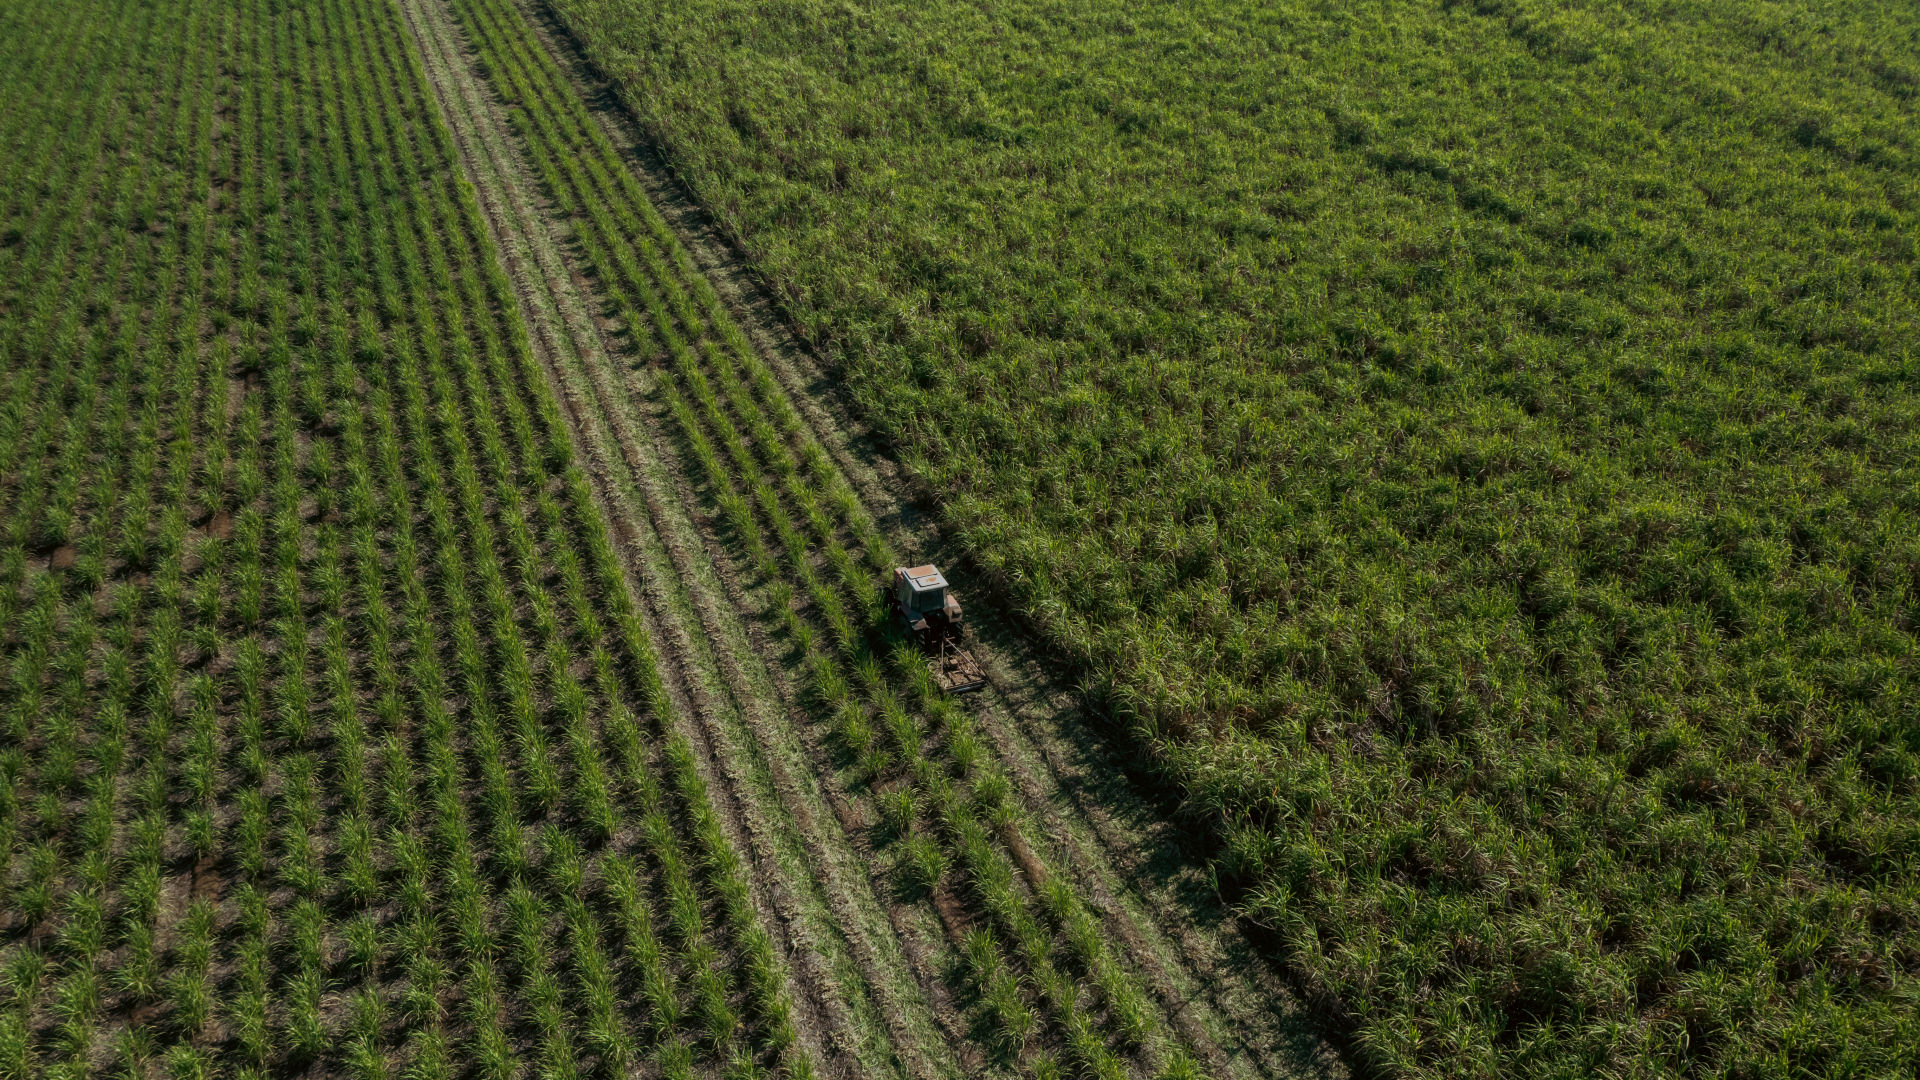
{"x": 923, "y": 578}
{"x": 923, "y": 589}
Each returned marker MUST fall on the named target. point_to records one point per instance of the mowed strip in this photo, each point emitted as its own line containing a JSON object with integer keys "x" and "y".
{"x": 335, "y": 739}
{"x": 805, "y": 879}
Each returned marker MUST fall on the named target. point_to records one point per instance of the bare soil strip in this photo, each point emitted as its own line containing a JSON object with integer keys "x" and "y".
{"x": 860, "y": 1005}
{"x": 866, "y": 973}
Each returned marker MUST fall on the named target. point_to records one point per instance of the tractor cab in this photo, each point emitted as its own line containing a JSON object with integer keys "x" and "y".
{"x": 922, "y": 600}
{"x": 926, "y": 610}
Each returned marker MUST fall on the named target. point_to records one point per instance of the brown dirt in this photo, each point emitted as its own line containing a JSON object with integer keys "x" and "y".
{"x": 207, "y": 882}
{"x": 1036, "y": 874}
{"x": 953, "y": 914}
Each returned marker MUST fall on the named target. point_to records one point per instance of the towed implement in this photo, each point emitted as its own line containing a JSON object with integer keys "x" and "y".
{"x": 926, "y": 611}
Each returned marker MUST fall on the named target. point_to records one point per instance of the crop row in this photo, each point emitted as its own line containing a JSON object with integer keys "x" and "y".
{"x": 332, "y": 716}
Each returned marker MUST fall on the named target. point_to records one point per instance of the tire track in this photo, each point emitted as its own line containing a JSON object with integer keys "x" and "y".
{"x": 558, "y": 328}
{"x": 705, "y": 676}
{"x": 805, "y": 745}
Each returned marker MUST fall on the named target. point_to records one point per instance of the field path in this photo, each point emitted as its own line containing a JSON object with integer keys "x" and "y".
{"x": 859, "y": 1005}
{"x": 871, "y": 976}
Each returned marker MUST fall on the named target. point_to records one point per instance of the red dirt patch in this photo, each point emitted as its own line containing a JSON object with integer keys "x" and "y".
{"x": 953, "y": 914}
{"x": 207, "y": 882}
{"x": 1022, "y": 854}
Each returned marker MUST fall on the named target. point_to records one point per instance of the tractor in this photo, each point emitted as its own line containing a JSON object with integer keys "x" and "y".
{"x": 926, "y": 611}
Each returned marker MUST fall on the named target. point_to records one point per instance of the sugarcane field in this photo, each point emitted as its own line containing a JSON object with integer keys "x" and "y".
{"x": 1032, "y": 540}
